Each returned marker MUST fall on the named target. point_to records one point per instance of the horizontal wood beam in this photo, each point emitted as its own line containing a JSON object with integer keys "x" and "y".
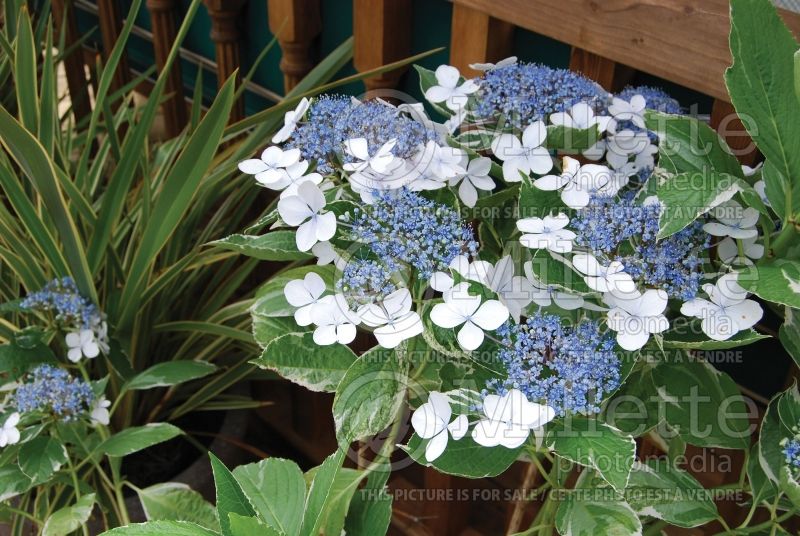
{"x": 684, "y": 41}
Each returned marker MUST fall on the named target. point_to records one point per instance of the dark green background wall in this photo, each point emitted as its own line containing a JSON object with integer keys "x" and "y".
{"x": 431, "y": 29}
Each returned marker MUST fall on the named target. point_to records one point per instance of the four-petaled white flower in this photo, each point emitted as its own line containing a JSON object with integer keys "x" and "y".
{"x": 305, "y": 210}
{"x": 633, "y": 110}
{"x": 526, "y": 156}
{"x": 392, "y": 318}
{"x": 582, "y": 116}
{"x": 461, "y": 308}
{"x": 485, "y": 67}
{"x": 576, "y": 182}
{"x": 358, "y": 148}
{"x": 304, "y": 294}
{"x": 547, "y": 233}
{"x": 513, "y": 291}
{"x": 509, "y": 420}
{"x": 728, "y": 250}
{"x": 622, "y": 145}
{"x": 637, "y": 316}
{"x": 398, "y": 173}
{"x": 334, "y": 320}
{"x": 448, "y": 90}
{"x": 270, "y": 169}
{"x": 545, "y": 295}
{"x": 82, "y": 343}
{"x": 604, "y": 279}
{"x": 326, "y": 254}
{"x": 439, "y": 163}
{"x": 728, "y": 311}
{"x": 100, "y": 414}
{"x": 432, "y": 421}
{"x": 442, "y": 281}
{"x": 733, "y": 221}
{"x": 290, "y": 120}
{"x": 295, "y": 176}
{"x": 476, "y": 177}
{"x": 9, "y": 434}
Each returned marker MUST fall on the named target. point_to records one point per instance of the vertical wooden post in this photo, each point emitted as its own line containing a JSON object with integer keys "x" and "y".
{"x": 297, "y": 24}
{"x": 110, "y": 26}
{"x": 382, "y": 34}
{"x": 226, "y": 36}
{"x": 478, "y": 38}
{"x": 164, "y": 21}
{"x": 611, "y": 75}
{"x": 725, "y": 121}
{"x": 66, "y": 25}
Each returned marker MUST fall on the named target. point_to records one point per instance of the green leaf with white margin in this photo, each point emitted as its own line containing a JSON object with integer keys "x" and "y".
{"x": 773, "y": 432}
{"x": 276, "y": 490}
{"x": 537, "y": 203}
{"x": 658, "y": 489}
{"x": 464, "y": 457}
{"x": 789, "y": 334}
{"x": 41, "y": 457}
{"x": 170, "y": 373}
{"x": 594, "y": 444}
{"x": 579, "y": 515}
{"x": 230, "y": 497}
{"x": 266, "y": 329}
{"x": 70, "y": 518}
{"x": 13, "y": 482}
{"x": 274, "y": 246}
{"x": 571, "y": 140}
{"x": 789, "y": 486}
{"x": 138, "y": 438}
{"x": 338, "y": 502}
{"x": 688, "y": 195}
{"x": 370, "y": 395}
{"x": 691, "y": 336}
{"x": 320, "y": 494}
{"x": 161, "y": 528}
{"x": 702, "y": 403}
{"x": 634, "y": 409}
{"x": 761, "y": 84}
{"x": 270, "y": 300}
{"x": 762, "y": 488}
{"x": 553, "y": 272}
{"x": 175, "y": 501}
{"x": 296, "y": 357}
{"x": 250, "y": 526}
{"x": 16, "y": 360}
{"x": 686, "y": 144}
{"x": 777, "y": 281}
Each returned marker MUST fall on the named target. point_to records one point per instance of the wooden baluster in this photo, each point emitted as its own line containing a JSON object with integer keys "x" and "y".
{"x": 297, "y": 23}
{"x": 110, "y": 26}
{"x": 382, "y": 33}
{"x": 226, "y": 36}
{"x": 478, "y": 38}
{"x": 609, "y": 74}
{"x": 164, "y": 17}
{"x": 725, "y": 121}
{"x": 64, "y": 18}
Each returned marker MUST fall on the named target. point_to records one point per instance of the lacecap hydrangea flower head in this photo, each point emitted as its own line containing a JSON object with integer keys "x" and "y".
{"x": 555, "y": 296}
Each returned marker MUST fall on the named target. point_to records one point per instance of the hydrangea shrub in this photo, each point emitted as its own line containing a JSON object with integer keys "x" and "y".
{"x": 524, "y": 268}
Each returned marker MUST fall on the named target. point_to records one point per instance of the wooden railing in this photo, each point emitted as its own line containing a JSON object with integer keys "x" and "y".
{"x": 683, "y": 41}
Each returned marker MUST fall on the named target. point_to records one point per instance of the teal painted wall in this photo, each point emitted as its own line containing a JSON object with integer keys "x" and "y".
{"x": 431, "y": 29}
